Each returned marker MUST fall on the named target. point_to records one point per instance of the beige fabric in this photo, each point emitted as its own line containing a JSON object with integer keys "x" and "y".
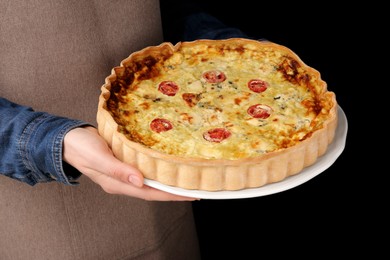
{"x": 54, "y": 55}
{"x": 53, "y": 221}
{"x": 51, "y": 48}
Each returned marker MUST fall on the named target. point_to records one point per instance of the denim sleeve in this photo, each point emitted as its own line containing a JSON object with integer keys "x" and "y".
{"x": 201, "y": 25}
{"x": 31, "y": 144}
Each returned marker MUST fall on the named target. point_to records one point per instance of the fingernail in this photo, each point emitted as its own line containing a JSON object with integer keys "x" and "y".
{"x": 135, "y": 180}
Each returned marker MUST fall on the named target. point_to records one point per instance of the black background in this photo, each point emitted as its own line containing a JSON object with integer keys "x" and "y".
{"x": 330, "y": 215}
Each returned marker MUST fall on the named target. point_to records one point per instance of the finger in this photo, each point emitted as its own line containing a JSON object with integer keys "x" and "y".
{"x": 106, "y": 163}
{"x": 123, "y": 172}
{"x": 114, "y": 186}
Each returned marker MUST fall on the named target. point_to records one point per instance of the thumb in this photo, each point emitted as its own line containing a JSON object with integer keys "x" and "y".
{"x": 123, "y": 172}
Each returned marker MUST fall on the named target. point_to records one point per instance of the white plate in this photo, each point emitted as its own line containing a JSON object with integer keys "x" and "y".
{"x": 322, "y": 163}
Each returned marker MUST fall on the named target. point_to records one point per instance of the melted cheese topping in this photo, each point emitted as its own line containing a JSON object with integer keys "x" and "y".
{"x": 290, "y": 94}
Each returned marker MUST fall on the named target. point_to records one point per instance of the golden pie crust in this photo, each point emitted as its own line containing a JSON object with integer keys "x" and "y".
{"x": 217, "y": 174}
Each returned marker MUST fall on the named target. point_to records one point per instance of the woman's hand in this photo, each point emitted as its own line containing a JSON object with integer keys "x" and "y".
{"x": 88, "y": 152}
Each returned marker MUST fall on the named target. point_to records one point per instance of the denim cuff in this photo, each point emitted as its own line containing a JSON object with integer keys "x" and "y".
{"x": 31, "y": 145}
{"x": 41, "y": 147}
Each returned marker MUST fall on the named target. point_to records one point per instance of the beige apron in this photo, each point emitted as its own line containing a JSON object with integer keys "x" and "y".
{"x": 54, "y": 55}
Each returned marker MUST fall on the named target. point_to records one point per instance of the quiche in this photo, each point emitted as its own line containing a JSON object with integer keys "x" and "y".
{"x": 217, "y": 115}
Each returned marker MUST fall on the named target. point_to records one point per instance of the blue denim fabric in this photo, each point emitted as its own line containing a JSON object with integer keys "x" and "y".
{"x": 31, "y": 144}
{"x": 204, "y": 26}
